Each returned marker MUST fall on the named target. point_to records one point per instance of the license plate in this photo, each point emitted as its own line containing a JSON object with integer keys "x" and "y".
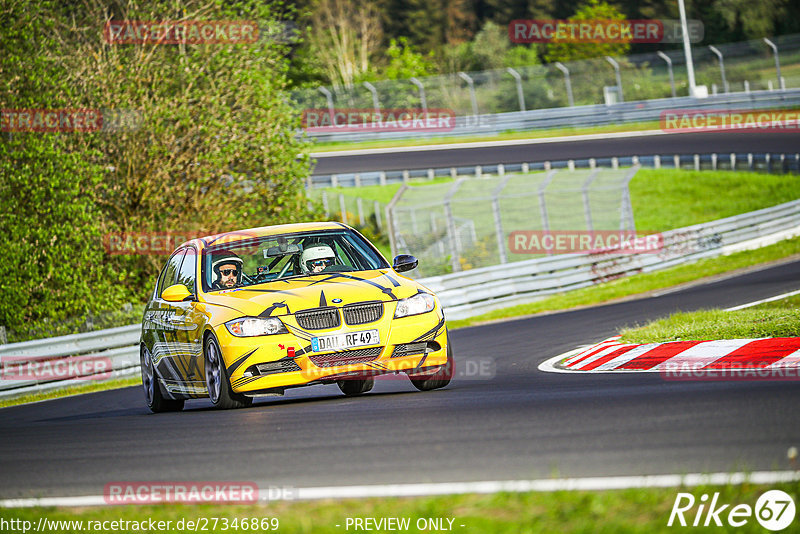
{"x": 345, "y": 341}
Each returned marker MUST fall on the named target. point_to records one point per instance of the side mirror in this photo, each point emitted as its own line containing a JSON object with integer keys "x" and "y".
{"x": 404, "y": 262}
{"x": 176, "y": 293}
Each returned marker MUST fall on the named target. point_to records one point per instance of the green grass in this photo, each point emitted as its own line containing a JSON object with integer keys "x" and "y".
{"x": 641, "y": 283}
{"x": 674, "y": 198}
{"x": 505, "y": 136}
{"x": 76, "y": 390}
{"x": 772, "y": 319}
{"x": 630, "y": 511}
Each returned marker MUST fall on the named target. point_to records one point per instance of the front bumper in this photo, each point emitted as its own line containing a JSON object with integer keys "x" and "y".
{"x": 265, "y": 364}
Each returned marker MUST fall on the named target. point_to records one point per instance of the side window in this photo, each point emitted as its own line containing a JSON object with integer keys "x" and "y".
{"x": 187, "y": 274}
{"x": 170, "y": 271}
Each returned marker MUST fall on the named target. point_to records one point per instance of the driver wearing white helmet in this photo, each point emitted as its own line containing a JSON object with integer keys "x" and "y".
{"x": 316, "y": 258}
{"x": 227, "y": 269}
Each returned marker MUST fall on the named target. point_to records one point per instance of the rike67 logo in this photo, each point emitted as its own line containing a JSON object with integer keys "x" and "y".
{"x": 774, "y": 510}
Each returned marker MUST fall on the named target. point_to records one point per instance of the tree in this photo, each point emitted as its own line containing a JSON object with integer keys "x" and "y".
{"x": 213, "y": 147}
{"x": 570, "y": 51}
{"x": 345, "y": 35}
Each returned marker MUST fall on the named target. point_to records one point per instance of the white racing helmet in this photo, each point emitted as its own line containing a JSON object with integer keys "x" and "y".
{"x": 317, "y": 254}
{"x": 226, "y": 258}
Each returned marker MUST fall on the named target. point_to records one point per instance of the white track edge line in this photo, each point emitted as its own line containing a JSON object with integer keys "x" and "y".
{"x": 762, "y": 301}
{"x": 480, "y": 487}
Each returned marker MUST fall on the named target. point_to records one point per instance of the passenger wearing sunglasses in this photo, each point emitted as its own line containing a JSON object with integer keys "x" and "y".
{"x": 227, "y": 268}
{"x": 315, "y": 259}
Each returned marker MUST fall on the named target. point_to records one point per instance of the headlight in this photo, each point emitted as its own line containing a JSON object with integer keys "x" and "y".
{"x": 419, "y": 303}
{"x": 256, "y": 326}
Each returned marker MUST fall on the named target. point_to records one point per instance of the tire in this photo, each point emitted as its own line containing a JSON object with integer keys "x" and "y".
{"x": 152, "y": 391}
{"x": 440, "y": 378}
{"x": 352, "y": 388}
{"x": 217, "y": 381}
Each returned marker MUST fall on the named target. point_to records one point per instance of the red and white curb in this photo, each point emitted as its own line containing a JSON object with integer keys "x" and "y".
{"x": 770, "y": 354}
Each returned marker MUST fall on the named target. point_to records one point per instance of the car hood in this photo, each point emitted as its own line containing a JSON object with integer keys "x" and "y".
{"x": 326, "y": 289}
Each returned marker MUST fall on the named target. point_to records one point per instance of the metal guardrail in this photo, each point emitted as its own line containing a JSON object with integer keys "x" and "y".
{"x": 582, "y": 116}
{"x": 769, "y": 162}
{"x": 481, "y": 290}
{"x": 463, "y": 294}
{"x": 117, "y": 347}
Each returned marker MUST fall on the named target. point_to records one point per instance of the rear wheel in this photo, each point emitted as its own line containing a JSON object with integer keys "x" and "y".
{"x": 217, "y": 381}
{"x": 356, "y": 387}
{"x": 437, "y": 379}
{"x": 152, "y": 391}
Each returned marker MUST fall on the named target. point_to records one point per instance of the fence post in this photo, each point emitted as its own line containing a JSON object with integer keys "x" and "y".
{"x": 656, "y": 161}
{"x": 357, "y": 179}
{"x": 3, "y": 335}
{"x": 376, "y": 207}
{"x": 498, "y": 219}
{"x": 325, "y": 206}
{"x": 777, "y": 62}
{"x": 697, "y": 162}
{"x": 717, "y": 53}
{"x": 560, "y": 66}
{"x": 405, "y": 176}
{"x": 466, "y": 78}
{"x": 360, "y": 204}
{"x": 733, "y": 161}
{"x": 627, "y": 207}
{"x": 390, "y": 226}
{"x": 382, "y": 178}
{"x": 334, "y": 180}
{"x": 666, "y": 58}
{"x": 421, "y": 89}
{"x": 615, "y": 162}
{"x": 587, "y": 210}
{"x": 543, "y": 203}
{"x": 676, "y": 159}
{"x": 617, "y": 75}
{"x": 375, "y": 104}
{"x": 431, "y": 174}
{"x": 455, "y": 248}
{"x": 342, "y": 209}
{"x": 518, "y": 80}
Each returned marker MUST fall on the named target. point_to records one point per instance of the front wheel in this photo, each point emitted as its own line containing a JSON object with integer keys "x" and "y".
{"x": 217, "y": 381}
{"x": 152, "y": 392}
{"x": 356, "y": 387}
{"x": 440, "y": 378}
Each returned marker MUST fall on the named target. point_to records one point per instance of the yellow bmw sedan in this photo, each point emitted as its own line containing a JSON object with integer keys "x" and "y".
{"x": 251, "y": 313}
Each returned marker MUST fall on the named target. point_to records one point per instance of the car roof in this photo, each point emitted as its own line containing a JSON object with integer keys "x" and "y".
{"x": 264, "y": 231}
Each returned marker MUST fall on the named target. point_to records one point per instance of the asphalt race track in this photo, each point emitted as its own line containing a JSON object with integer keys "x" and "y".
{"x": 637, "y": 145}
{"x": 519, "y": 424}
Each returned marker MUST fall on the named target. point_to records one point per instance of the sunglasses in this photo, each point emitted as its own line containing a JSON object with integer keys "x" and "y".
{"x": 318, "y": 263}
{"x": 228, "y": 272}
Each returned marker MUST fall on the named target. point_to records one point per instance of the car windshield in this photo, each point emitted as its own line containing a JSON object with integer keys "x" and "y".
{"x": 260, "y": 260}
